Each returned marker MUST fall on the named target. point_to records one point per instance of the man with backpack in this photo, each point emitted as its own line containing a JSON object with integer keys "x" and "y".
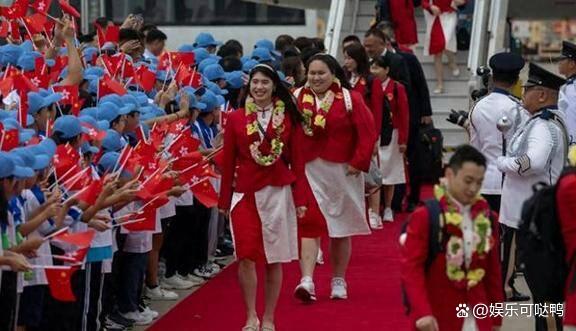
{"x": 450, "y": 251}
{"x": 536, "y": 153}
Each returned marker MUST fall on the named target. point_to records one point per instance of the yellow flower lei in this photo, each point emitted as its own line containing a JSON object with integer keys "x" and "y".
{"x": 252, "y": 128}
{"x": 312, "y": 117}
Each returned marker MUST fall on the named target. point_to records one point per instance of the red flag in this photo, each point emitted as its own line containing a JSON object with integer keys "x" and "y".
{"x": 59, "y": 283}
{"x": 78, "y": 255}
{"x": 93, "y": 133}
{"x": 177, "y": 127}
{"x": 38, "y": 80}
{"x": 68, "y": 9}
{"x": 76, "y": 106}
{"x": 186, "y": 59}
{"x": 164, "y": 61}
{"x": 10, "y": 139}
{"x": 158, "y": 133}
{"x": 205, "y": 193}
{"x": 145, "y": 78}
{"x": 184, "y": 144}
{"x": 6, "y": 86}
{"x": 17, "y": 10}
{"x": 15, "y": 30}
{"x": 4, "y": 29}
{"x": 60, "y": 63}
{"x": 113, "y": 34}
{"x": 187, "y": 161}
{"x": 90, "y": 195}
{"x": 23, "y": 85}
{"x": 148, "y": 224}
{"x": 141, "y": 135}
{"x": 41, "y": 6}
{"x": 65, "y": 158}
{"x": 36, "y": 22}
{"x": 195, "y": 80}
{"x": 128, "y": 70}
{"x": 83, "y": 180}
{"x": 106, "y": 86}
{"x": 70, "y": 93}
{"x": 79, "y": 239}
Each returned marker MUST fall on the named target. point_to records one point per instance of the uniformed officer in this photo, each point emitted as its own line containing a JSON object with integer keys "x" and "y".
{"x": 485, "y": 136}
{"x": 537, "y": 151}
{"x": 567, "y": 99}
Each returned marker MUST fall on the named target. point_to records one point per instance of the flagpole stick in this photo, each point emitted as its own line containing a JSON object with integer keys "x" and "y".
{"x": 71, "y": 178}
{"x": 124, "y": 162}
{"x": 118, "y": 159}
{"x": 172, "y": 143}
{"x": 75, "y": 195}
{"x": 127, "y": 216}
{"x": 129, "y": 222}
{"x": 128, "y": 82}
{"x": 64, "y": 175}
{"x": 2, "y": 140}
{"x": 48, "y": 38}
{"x": 71, "y": 181}
{"x": 54, "y": 234}
{"x": 148, "y": 203}
{"x": 7, "y": 71}
{"x": 21, "y": 20}
{"x": 55, "y": 267}
{"x": 192, "y": 77}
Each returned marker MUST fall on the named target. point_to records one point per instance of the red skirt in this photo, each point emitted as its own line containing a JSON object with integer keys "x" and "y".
{"x": 313, "y": 224}
{"x": 247, "y": 230}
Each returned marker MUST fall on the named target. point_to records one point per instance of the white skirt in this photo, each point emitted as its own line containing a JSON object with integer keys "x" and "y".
{"x": 275, "y": 206}
{"x": 392, "y": 162}
{"x": 339, "y": 197}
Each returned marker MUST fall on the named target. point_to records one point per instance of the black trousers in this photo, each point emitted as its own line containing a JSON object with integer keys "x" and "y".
{"x": 494, "y": 201}
{"x": 541, "y": 323}
{"x": 506, "y": 239}
{"x": 8, "y": 300}
{"x": 186, "y": 244}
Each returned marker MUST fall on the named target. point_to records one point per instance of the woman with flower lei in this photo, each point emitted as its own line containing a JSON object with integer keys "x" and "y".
{"x": 466, "y": 269}
{"x": 256, "y": 188}
{"x": 336, "y": 140}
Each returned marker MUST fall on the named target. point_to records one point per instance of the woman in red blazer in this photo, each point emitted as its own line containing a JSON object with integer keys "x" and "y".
{"x": 357, "y": 67}
{"x": 255, "y": 189}
{"x": 392, "y": 149}
{"x": 335, "y": 142}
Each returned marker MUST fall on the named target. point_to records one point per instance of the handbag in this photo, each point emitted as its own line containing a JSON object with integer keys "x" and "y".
{"x": 373, "y": 177}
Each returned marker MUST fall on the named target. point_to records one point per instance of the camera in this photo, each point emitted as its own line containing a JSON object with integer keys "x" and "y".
{"x": 485, "y": 74}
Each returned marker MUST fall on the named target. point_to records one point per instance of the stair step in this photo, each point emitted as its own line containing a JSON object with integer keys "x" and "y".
{"x": 430, "y": 73}
{"x": 454, "y": 138}
{"x": 365, "y": 7}
{"x": 450, "y": 86}
{"x": 446, "y": 102}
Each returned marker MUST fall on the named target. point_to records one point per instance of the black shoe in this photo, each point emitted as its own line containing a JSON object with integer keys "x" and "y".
{"x": 517, "y": 296}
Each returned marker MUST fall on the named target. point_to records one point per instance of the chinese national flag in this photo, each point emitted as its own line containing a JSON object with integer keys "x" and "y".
{"x": 90, "y": 195}
{"x": 68, "y": 9}
{"x": 70, "y": 93}
{"x": 194, "y": 80}
{"x": 76, "y": 106}
{"x": 79, "y": 239}
{"x": 64, "y": 159}
{"x": 145, "y": 152}
{"x": 107, "y": 85}
{"x": 41, "y": 6}
{"x": 80, "y": 182}
{"x": 184, "y": 145}
{"x": 10, "y": 139}
{"x": 147, "y": 224}
{"x": 36, "y": 22}
{"x": 145, "y": 78}
{"x": 205, "y": 193}
{"x": 128, "y": 69}
{"x": 17, "y": 10}
{"x": 59, "y": 283}
{"x": 184, "y": 59}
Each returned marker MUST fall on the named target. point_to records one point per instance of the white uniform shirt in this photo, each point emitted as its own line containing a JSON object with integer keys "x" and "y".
{"x": 138, "y": 241}
{"x": 485, "y": 137}
{"x": 537, "y": 153}
{"x": 567, "y": 105}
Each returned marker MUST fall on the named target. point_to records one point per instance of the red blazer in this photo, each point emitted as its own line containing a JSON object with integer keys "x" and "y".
{"x": 348, "y": 137}
{"x": 566, "y": 200}
{"x": 444, "y": 5}
{"x": 240, "y": 173}
{"x": 374, "y": 103}
{"x": 432, "y": 293}
{"x": 400, "y": 109}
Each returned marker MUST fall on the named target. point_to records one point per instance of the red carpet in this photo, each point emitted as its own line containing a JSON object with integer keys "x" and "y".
{"x": 373, "y": 287}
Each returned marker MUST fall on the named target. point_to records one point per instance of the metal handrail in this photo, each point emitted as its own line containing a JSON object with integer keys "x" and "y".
{"x": 355, "y": 16}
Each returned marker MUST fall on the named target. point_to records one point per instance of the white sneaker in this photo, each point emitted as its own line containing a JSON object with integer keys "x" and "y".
{"x": 138, "y": 318}
{"x": 305, "y": 291}
{"x": 203, "y": 272}
{"x": 214, "y": 266}
{"x": 160, "y": 294}
{"x": 176, "y": 283}
{"x": 338, "y": 289}
{"x": 320, "y": 257}
{"x": 388, "y": 215}
{"x": 456, "y": 72}
{"x": 193, "y": 279}
{"x": 375, "y": 220}
{"x": 146, "y": 311}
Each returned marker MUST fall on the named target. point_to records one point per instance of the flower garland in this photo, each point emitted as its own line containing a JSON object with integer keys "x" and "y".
{"x": 456, "y": 270}
{"x": 314, "y": 118}
{"x": 252, "y": 129}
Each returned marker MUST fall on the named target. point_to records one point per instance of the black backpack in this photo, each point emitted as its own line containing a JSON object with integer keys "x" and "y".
{"x": 541, "y": 245}
{"x": 429, "y": 154}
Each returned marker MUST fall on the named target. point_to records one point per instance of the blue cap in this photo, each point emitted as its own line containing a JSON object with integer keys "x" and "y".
{"x": 206, "y": 62}
{"x": 93, "y": 71}
{"x": 200, "y": 54}
{"x": 268, "y": 44}
{"x": 141, "y": 97}
{"x": 48, "y": 146}
{"x": 69, "y": 126}
{"x": 6, "y": 165}
{"x": 114, "y": 98}
{"x": 86, "y": 148}
{"x": 36, "y": 101}
{"x": 112, "y": 142}
{"x": 186, "y": 48}
{"x": 214, "y": 72}
{"x": 90, "y": 111}
{"x": 27, "y": 61}
{"x": 21, "y": 171}
{"x": 129, "y": 99}
{"x": 23, "y": 134}
{"x": 205, "y": 39}
{"x": 14, "y": 115}
{"x": 211, "y": 101}
{"x": 214, "y": 88}
{"x": 109, "y": 163}
{"x": 235, "y": 79}
{"x": 9, "y": 54}
{"x": 163, "y": 75}
{"x": 109, "y": 111}
{"x": 98, "y": 125}
{"x": 93, "y": 85}
{"x": 88, "y": 53}
{"x": 248, "y": 65}
{"x": 261, "y": 54}
{"x": 32, "y": 160}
